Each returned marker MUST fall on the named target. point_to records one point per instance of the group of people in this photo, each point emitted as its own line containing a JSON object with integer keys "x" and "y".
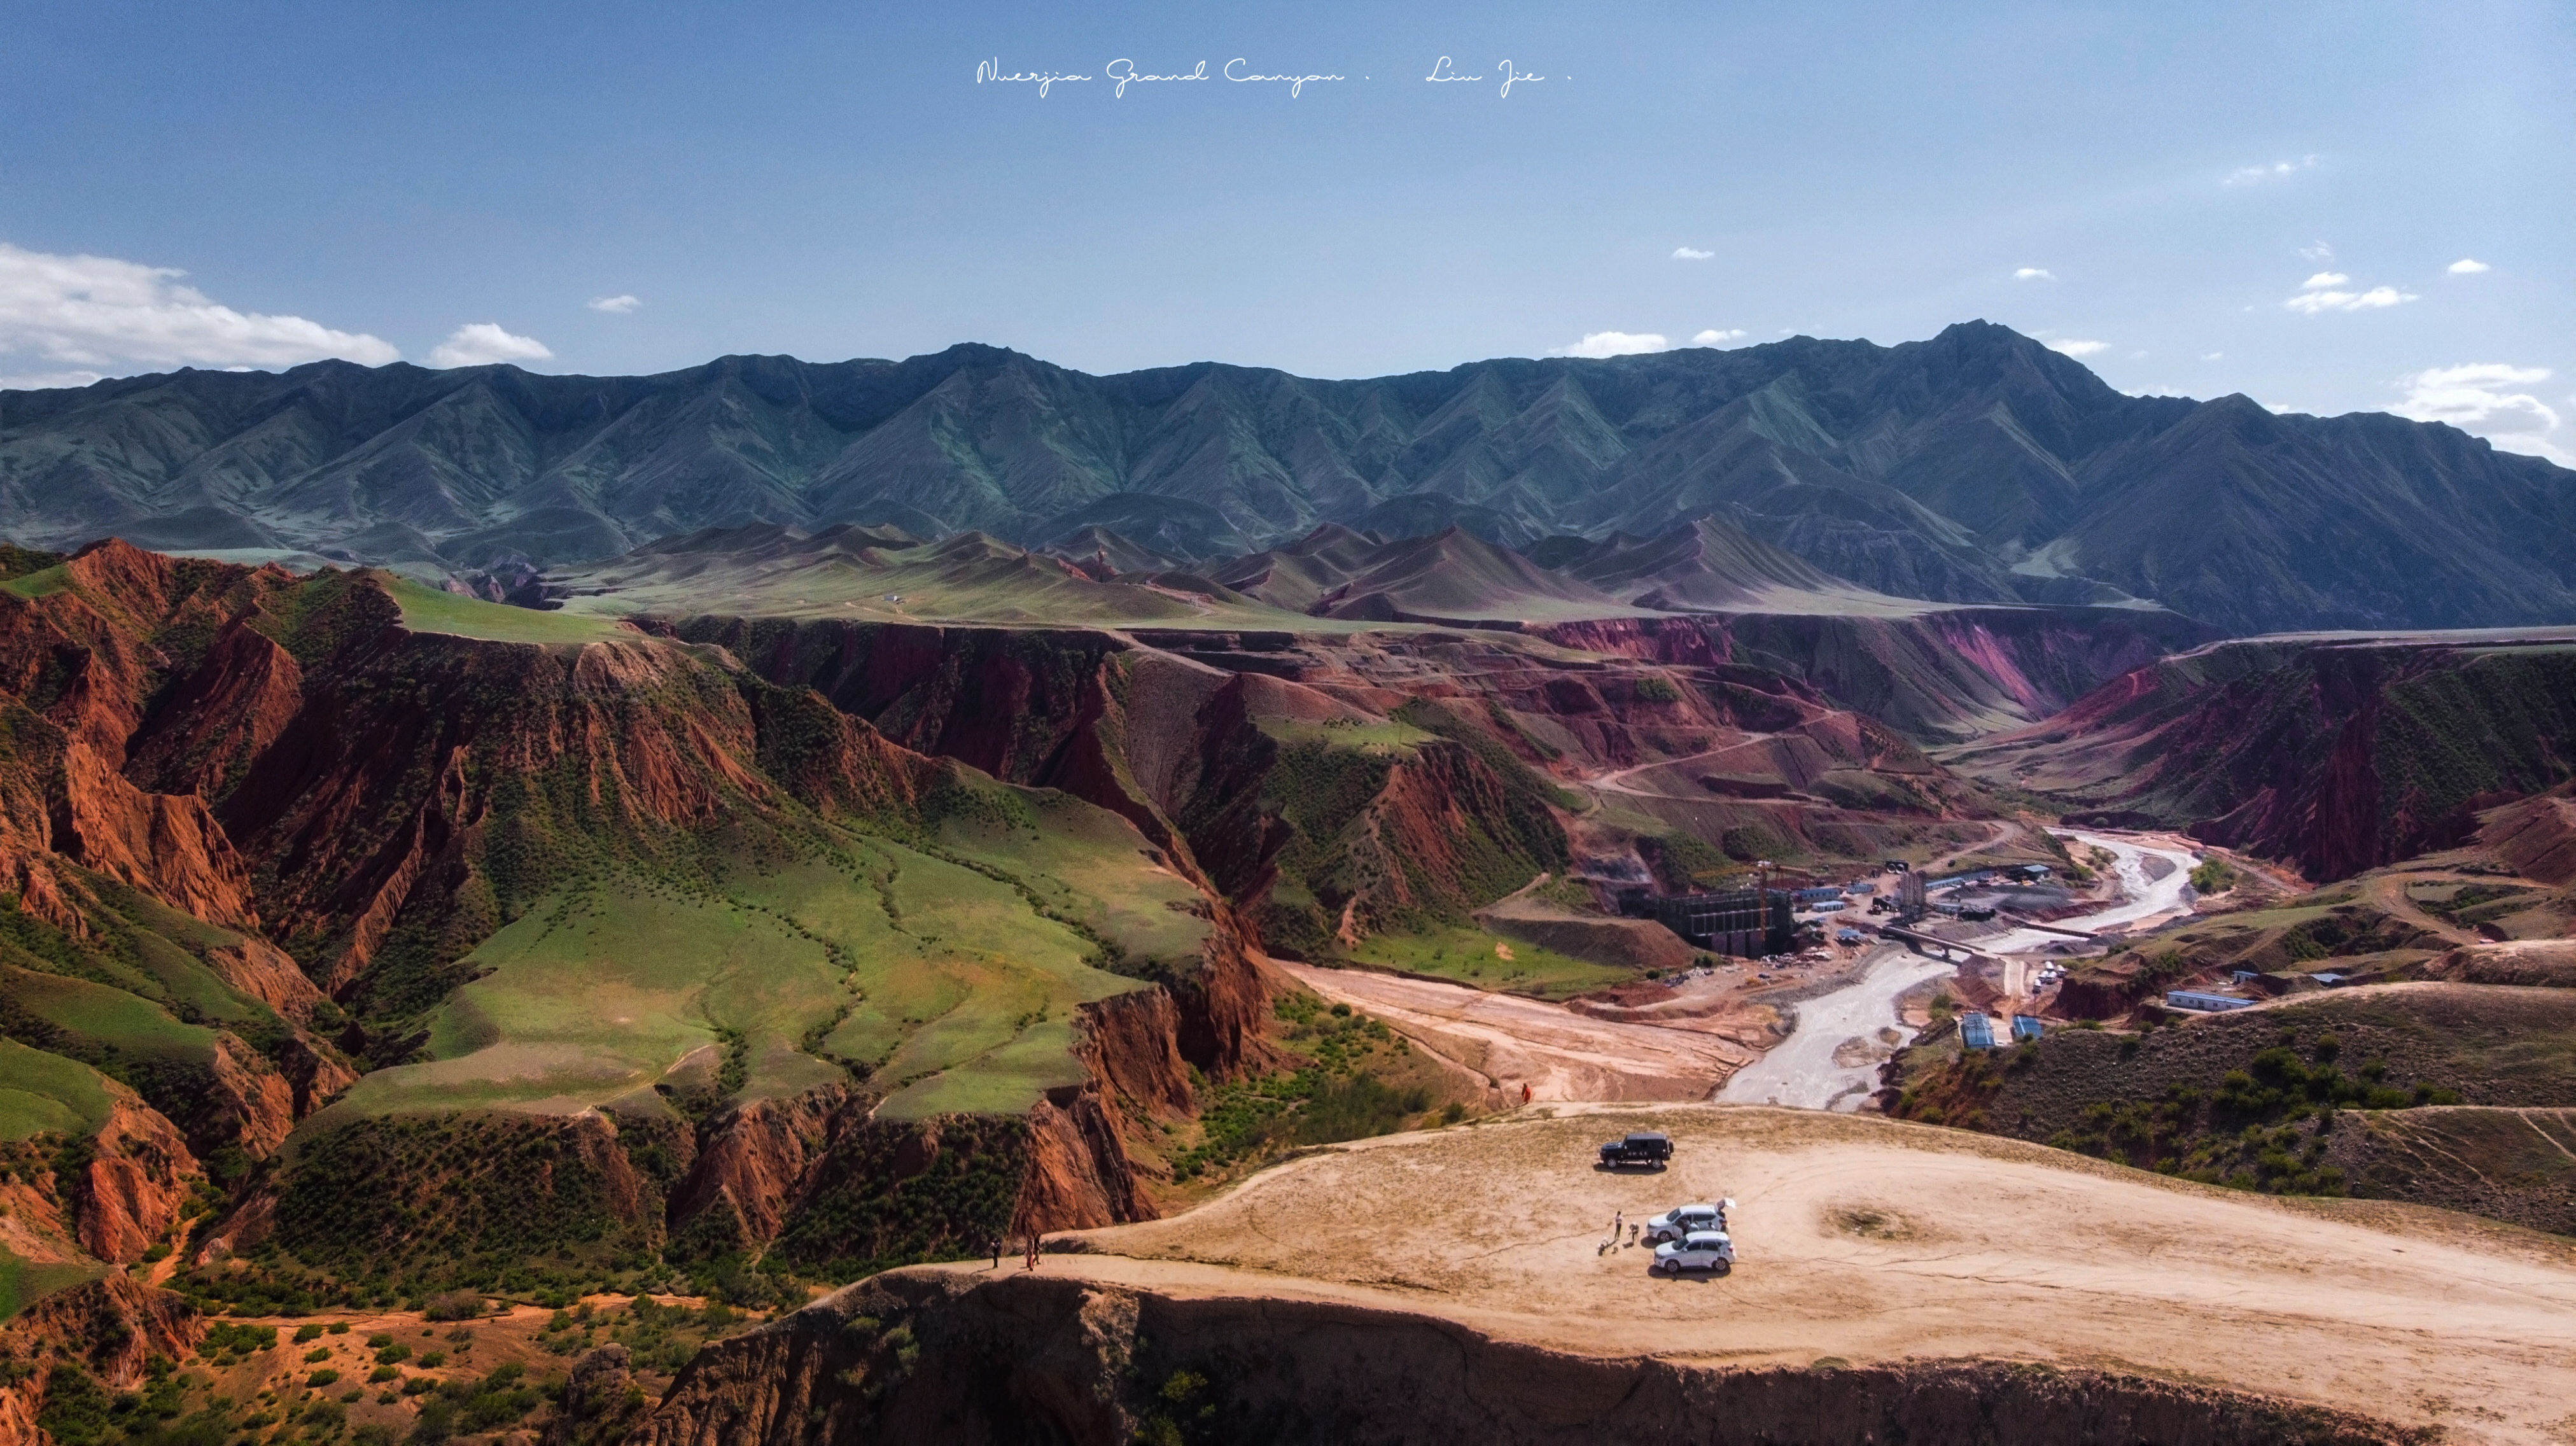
{"x": 1618, "y": 1223}
{"x": 1029, "y": 1259}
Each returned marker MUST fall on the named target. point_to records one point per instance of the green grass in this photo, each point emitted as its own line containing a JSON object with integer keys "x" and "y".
{"x": 956, "y": 580}
{"x": 948, "y": 988}
{"x": 24, "y": 1282}
{"x": 1468, "y": 956}
{"x": 41, "y": 1092}
{"x": 1386, "y": 737}
{"x": 99, "y": 1015}
{"x": 1086, "y": 864}
{"x": 428, "y": 610}
{"x": 44, "y": 582}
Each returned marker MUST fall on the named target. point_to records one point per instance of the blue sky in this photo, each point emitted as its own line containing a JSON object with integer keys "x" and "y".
{"x": 2266, "y": 198}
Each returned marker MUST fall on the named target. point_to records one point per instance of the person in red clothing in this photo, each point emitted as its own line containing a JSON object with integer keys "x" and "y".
{"x": 1525, "y": 1092}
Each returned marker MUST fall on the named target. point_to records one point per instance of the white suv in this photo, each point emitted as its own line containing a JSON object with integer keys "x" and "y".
{"x": 1681, "y": 1220}
{"x": 1708, "y": 1250}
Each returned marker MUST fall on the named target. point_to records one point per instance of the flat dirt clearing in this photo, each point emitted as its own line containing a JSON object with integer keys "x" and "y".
{"x": 1874, "y": 1240}
{"x": 1559, "y": 1054}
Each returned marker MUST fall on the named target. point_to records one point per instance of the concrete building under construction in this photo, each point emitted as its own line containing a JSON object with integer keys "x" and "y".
{"x": 1747, "y": 922}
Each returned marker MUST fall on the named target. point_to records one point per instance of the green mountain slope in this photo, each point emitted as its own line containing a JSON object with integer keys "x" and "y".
{"x": 1977, "y": 466}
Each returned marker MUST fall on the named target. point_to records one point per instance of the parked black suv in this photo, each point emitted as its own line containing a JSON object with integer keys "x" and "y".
{"x": 1650, "y": 1147}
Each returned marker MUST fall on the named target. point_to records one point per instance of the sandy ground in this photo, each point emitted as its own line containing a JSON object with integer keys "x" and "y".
{"x": 1807, "y": 1069}
{"x": 1559, "y": 1054}
{"x": 1875, "y": 1240}
{"x": 472, "y": 1350}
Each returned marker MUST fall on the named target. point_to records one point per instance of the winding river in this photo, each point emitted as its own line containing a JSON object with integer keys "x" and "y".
{"x": 1801, "y": 1070}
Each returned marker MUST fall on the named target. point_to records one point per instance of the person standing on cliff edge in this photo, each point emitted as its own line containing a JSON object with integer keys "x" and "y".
{"x": 1033, "y": 1250}
{"x": 997, "y": 1252}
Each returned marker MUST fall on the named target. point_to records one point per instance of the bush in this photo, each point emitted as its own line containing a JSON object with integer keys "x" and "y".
{"x": 75, "y": 1411}
{"x": 453, "y": 1305}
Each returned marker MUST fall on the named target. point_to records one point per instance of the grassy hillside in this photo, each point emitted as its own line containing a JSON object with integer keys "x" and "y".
{"x": 2314, "y": 1096}
{"x": 428, "y": 610}
{"x": 2341, "y": 754}
{"x": 44, "y": 1093}
{"x": 944, "y": 973}
{"x": 766, "y": 572}
{"x": 1488, "y": 960}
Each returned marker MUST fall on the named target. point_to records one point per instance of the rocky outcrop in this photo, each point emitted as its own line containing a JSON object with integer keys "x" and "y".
{"x": 166, "y": 845}
{"x": 110, "y": 1328}
{"x": 138, "y": 1179}
{"x": 2338, "y": 754}
{"x": 1130, "y": 1045}
{"x": 754, "y": 1165}
{"x": 247, "y": 1102}
{"x": 920, "y": 1356}
{"x": 2536, "y": 836}
{"x": 2541, "y": 963}
{"x": 600, "y": 1400}
{"x": 1078, "y": 1175}
{"x": 268, "y": 974}
{"x": 1938, "y": 675}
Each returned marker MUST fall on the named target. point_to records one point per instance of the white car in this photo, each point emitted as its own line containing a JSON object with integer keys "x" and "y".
{"x": 1708, "y": 1250}
{"x": 1681, "y": 1220}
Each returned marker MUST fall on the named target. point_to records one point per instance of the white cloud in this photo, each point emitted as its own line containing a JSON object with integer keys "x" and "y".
{"x": 2033, "y": 273}
{"x": 2466, "y": 267}
{"x": 46, "y": 381}
{"x": 2324, "y": 279}
{"x": 481, "y": 343}
{"x": 2312, "y": 303}
{"x": 614, "y": 305}
{"x": 1612, "y": 343}
{"x": 2211, "y": 355}
{"x": 2073, "y": 347}
{"x": 2321, "y": 253}
{"x": 97, "y": 312}
{"x": 1691, "y": 253}
{"x": 2485, "y": 398}
{"x": 2253, "y": 175}
{"x": 1713, "y": 336}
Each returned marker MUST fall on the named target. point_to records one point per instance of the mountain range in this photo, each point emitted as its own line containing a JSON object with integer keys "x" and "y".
{"x": 1975, "y": 467}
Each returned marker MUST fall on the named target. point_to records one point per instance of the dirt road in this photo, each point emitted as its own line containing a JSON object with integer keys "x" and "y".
{"x": 1874, "y": 1240}
{"x": 2388, "y": 894}
{"x": 1559, "y": 1054}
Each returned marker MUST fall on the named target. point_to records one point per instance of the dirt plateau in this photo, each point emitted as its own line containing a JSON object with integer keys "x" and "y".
{"x": 1022, "y": 1358}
